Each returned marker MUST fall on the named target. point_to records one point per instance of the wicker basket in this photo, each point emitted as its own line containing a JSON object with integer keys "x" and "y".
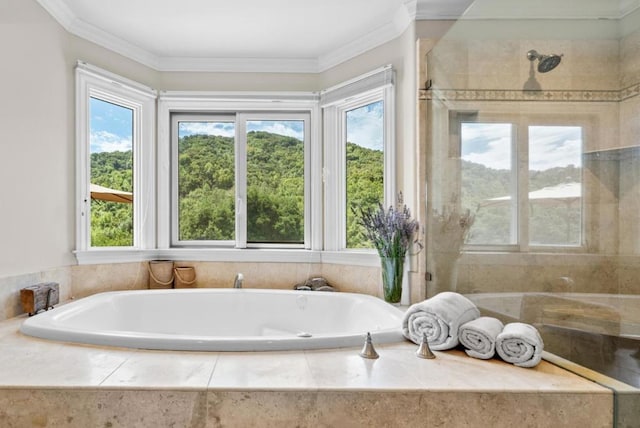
{"x": 160, "y": 274}
{"x": 185, "y": 277}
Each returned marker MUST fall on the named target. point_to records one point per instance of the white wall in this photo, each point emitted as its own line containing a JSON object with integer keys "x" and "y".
{"x": 37, "y": 222}
{"x": 37, "y": 219}
{"x": 36, "y": 168}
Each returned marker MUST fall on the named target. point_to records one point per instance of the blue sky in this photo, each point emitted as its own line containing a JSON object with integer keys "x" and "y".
{"x": 554, "y": 146}
{"x": 365, "y": 126}
{"x": 290, "y": 128}
{"x": 489, "y": 144}
{"x": 111, "y": 127}
{"x": 221, "y": 129}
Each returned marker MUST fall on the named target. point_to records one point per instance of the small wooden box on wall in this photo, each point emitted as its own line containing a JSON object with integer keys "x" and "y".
{"x": 39, "y": 297}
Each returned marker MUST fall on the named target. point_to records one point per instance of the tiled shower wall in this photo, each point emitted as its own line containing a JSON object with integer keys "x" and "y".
{"x": 498, "y": 273}
{"x": 483, "y": 66}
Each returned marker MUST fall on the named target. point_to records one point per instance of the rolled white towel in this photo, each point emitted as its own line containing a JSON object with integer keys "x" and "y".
{"x": 440, "y": 317}
{"x": 479, "y": 337}
{"x": 520, "y": 344}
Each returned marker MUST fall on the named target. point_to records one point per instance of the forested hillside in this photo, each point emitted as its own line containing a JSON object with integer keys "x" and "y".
{"x": 275, "y": 194}
{"x": 206, "y": 189}
{"x": 365, "y": 188}
{"x": 550, "y": 223}
{"x": 275, "y": 188}
{"x": 112, "y": 223}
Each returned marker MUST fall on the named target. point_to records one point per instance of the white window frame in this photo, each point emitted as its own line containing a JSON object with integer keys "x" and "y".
{"x": 585, "y": 216}
{"x": 240, "y": 120}
{"x": 246, "y": 106}
{"x": 520, "y": 178}
{"x": 516, "y": 189}
{"x": 375, "y": 86}
{"x": 93, "y": 82}
{"x": 325, "y": 211}
{"x": 241, "y": 191}
{"x": 175, "y": 119}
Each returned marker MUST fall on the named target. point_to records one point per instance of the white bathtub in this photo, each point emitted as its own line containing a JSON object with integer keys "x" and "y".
{"x": 220, "y": 320}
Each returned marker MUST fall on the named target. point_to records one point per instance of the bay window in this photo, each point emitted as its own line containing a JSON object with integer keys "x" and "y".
{"x": 226, "y": 171}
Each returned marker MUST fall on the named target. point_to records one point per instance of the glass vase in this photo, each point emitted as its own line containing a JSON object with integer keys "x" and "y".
{"x": 392, "y": 271}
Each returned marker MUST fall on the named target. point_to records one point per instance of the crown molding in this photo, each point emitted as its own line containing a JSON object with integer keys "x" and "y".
{"x": 65, "y": 17}
{"x": 398, "y": 24}
{"x": 109, "y": 41}
{"x": 409, "y": 11}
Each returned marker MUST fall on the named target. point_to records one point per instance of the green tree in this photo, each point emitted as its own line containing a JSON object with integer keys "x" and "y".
{"x": 365, "y": 188}
{"x": 112, "y": 222}
{"x": 206, "y": 190}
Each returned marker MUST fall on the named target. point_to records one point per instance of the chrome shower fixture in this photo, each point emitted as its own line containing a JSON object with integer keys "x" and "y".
{"x": 546, "y": 63}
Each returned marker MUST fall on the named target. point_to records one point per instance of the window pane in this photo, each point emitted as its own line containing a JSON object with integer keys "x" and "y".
{"x": 275, "y": 181}
{"x": 487, "y": 186}
{"x": 111, "y": 151}
{"x": 555, "y": 185}
{"x": 206, "y": 181}
{"x": 364, "y": 167}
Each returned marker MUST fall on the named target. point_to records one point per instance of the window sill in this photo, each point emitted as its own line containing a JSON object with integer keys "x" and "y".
{"x": 262, "y": 255}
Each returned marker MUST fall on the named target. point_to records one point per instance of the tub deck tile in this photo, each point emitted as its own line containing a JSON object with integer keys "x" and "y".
{"x": 82, "y": 385}
{"x": 162, "y": 370}
{"x": 262, "y": 371}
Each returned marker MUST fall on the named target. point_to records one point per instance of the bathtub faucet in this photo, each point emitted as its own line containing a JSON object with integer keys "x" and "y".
{"x": 237, "y": 283}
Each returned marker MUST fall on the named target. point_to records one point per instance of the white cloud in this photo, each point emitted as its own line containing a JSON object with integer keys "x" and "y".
{"x": 496, "y": 156}
{"x": 485, "y": 131}
{"x": 220, "y": 129}
{"x": 554, "y": 146}
{"x": 488, "y": 144}
{"x": 549, "y": 146}
{"x": 104, "y": 141}
{"x": 294, "y": 129}
{"x": 365, "y": 126}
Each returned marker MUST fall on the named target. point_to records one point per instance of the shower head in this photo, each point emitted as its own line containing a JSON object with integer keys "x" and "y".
{"x": 546, "y": 63}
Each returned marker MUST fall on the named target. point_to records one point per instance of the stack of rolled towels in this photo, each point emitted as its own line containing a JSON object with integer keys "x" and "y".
{"x": 449, "y": 319}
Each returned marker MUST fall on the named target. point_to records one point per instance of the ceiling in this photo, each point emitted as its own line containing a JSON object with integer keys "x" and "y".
{"x": 280, "y": 35}
{"x": 243, "y": 35}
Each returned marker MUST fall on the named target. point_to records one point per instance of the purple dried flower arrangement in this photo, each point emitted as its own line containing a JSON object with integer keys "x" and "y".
{"x": 390, "y": 230}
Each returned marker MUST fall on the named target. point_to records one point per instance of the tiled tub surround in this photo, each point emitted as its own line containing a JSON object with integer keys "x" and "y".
{"x": 495, "y": 272}
{"x": 52, "y": 384}
{"x": 85, "y": 280}
{"x": 10, "y": 289}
